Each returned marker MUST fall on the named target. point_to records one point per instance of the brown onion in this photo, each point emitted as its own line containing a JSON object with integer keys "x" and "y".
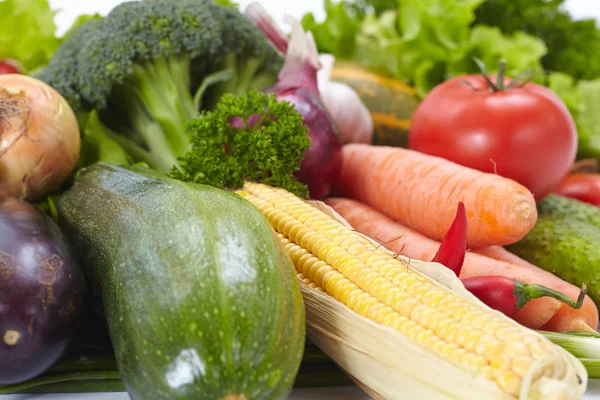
{"x": 39, "y": 138}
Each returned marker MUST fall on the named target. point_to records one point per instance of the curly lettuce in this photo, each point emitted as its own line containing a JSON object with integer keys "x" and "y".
{"x": 421, "y": 42}
{"x": 28, "y": 32}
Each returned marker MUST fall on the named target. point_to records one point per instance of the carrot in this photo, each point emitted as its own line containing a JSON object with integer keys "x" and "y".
{"x": 422, "y": 191}
{"x": 500, "y": 253}
{"x": 540, "y": 313}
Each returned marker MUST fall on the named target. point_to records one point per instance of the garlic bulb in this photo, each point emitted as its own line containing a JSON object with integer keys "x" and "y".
{"x": 351, "y": 116}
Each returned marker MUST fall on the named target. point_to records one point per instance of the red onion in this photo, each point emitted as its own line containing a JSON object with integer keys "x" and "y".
{"x": 297, "y": 84}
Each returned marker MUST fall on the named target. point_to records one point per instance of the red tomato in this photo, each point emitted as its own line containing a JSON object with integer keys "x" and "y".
{"x": 7, "y": 67}
{"x": 524, "y": 133}
{"x": 583, "y": 187}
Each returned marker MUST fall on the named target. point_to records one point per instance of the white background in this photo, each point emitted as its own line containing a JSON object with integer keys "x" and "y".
{"x": 70, "y": 9}
{"x": 296, "y": 8}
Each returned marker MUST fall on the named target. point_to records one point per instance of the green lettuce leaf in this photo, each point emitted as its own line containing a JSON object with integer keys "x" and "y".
{"x": 28, "y": 32}
{"x": 573, "y": 43}
{"x": 378, "y": 44}
{"x": 520, "y": 51}
{"x": 588, "y": 119}
{"x": 422, "y": 42}
{"x": 582, "y": 98}
{"x": 337, "y": 34}
{"x": 566, "y": 88}
{"x": 80, "y": 20}
{"x": 227, "y": 3}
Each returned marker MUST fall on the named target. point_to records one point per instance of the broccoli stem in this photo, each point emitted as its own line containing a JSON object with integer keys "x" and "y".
{"x": 248, "y": 75}
{"x": 157, "y": 101}
{"x": 139, "y": 154}
{"x": 210, "y": 80}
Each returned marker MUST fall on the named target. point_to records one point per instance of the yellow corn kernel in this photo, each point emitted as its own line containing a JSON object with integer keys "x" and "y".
{"x": 379, "y": 286}
{"x": 520, "y": 365}
{"x": 517, "y": 348}
{"x": 500, "y": 364}
{"x": 510, "y": 382}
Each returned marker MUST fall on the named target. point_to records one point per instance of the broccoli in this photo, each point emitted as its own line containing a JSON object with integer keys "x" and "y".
{"x": 149, "y": 67}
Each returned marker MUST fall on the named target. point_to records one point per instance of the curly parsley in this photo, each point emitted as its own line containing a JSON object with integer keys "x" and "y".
{"x": 251, "y": 137}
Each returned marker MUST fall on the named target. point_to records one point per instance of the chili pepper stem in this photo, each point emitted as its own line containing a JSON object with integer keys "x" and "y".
{"x": 525, "y": 292}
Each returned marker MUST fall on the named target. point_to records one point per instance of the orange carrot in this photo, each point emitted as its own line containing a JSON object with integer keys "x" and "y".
{"x": 540, "y": 313}
{"x": 422, "y": 191}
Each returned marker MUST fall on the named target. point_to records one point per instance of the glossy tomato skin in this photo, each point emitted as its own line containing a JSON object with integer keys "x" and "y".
{"x": 583, "y": 187}
{"x": 524, "y": 133}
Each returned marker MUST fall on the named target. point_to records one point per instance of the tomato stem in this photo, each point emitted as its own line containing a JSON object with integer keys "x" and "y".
{"x": 500, "y": 76}
{"x": 521, "y": 80}
{"x": 469, "y": 84}
{"x": 486, "y": 74}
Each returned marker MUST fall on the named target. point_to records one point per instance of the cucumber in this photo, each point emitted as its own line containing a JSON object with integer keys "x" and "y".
{"x": 566, "y": 242}
{"x": 563, "y": 207}
{"x": 200, "y": 298}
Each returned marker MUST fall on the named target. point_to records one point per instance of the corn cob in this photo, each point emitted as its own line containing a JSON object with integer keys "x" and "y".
{"x": 375, "y": 284}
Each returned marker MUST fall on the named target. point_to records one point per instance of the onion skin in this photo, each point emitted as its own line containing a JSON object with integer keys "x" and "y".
{"x": 39, "y": 138}
{"x": 323, "y": 160}
{"x": 352, "y": 117}
{"x": 42, "y": 292}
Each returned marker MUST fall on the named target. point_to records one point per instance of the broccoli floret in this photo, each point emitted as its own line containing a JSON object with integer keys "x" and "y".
{"x": 61, "y": 72}
{"x": 149, "y": 67}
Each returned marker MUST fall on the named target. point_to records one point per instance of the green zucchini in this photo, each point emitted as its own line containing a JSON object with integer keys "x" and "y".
{"x": 200, "y": 298}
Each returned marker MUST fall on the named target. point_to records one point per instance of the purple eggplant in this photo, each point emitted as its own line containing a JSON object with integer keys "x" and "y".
{"x": 42, "y": 292}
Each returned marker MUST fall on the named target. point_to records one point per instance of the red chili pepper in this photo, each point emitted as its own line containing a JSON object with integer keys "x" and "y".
{"x": 508, "y": 296}
{"x": 498, "y": 292}
{"x": 583, "y": 187}
{"x": 452, "y": 251}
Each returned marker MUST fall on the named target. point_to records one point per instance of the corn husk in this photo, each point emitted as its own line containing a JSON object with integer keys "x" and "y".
{"x": 387, "y": 365}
